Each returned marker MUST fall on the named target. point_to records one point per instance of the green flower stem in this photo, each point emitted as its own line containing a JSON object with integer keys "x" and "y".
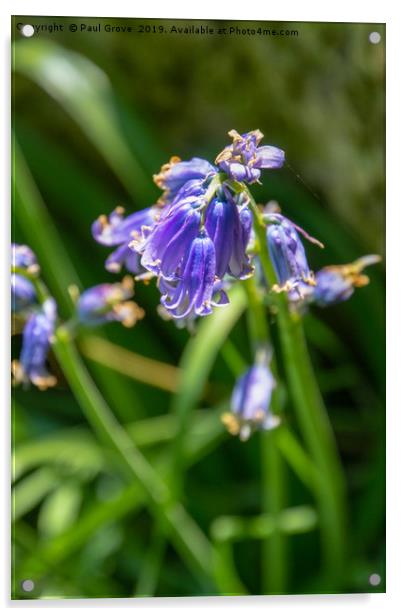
{"x": 173, "y": 518}
{"x": 312, "y": 416}
{"x": 272, "y": 467}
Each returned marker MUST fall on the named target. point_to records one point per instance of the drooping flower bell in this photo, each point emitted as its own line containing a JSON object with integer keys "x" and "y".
{"x": 251, "y": 399}
{"x": 23, "y": 293}
{"x": 109, "y": 302}
{"x": 169, "y": 241}
{"x": 117, "y": 230}
{"x": 193, "y": 292}
{"x": 229, "y": 227}
{"x": 175, "y": 174}
{"x": 336, "y": 283}
{"x": 243, "y": 159}
{"x": 37, "y": 335}
{"x": 288, "y": 256}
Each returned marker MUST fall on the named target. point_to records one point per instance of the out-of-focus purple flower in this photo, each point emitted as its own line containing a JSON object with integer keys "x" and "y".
{"x": 336, "y": 283}
{"x": 193, "y": 291}
{"x": 288, "y": 256}
{"x": 176, "y": 173}
{"x": 229, "y": 228}
{"x": 37, "y": 334}
{"x": 23, "y": 256}
{"x": 23, "y": 294}
{"x": 22, "y": 290}
{"x": 117, "y": 230}
{"x": 169, "y": 242}
{"x": 251, "y": 398}
{"x": 108, "y": 302}
{"x": 243, "y": 159}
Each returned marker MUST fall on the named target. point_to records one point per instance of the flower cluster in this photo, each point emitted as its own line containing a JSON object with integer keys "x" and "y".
{"x": 37, "y": 335}
{"x": 203, "y": 234}
{"x": 97, "y": 305}
{"x": 40, "y": 320}
{"x": 199, "y": 231}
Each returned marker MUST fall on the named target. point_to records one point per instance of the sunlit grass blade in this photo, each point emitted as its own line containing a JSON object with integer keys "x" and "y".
{"x": 74, "y": 450}
{"x": 138, "y": 367}
{"x": 292, "y": 521}
{"x": 85, "y": 93}
{"x": 60, "y": 509}
{"x": 31, "y": 490}
{"x": 205, "y": 435}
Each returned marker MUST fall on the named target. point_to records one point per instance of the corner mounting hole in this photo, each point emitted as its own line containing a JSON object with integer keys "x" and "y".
{"x": 27, "y": 30}
{"x": 28, "y": 585}
{"x": 374, "y": 579}
{"x": 374, "y": 37}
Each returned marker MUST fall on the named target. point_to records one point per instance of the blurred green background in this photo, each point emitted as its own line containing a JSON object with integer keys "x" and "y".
{"x": 95, "y": 114}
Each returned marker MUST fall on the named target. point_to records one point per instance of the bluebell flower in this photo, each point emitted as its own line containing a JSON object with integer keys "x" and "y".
{"x": 117, "y": 230}
{"x": 244, "y": 159}
{"x": 164, "y": 248}
{"x": 288, "y": 256}
{"x": 192, "y": 293}
{"x": 108, "y": 302}
{"x": 23, "y": 293}
{"x": 230, "y": 231}
{"x": 22, "y": 256}
{"x": 37, "y": 335}
{"x": 251, "y": 399}
{"x": 240, "y": 263}
{"x": 176, "y": 173}
{"x": 336, "y": 283}
{"x": 219, "y": 297}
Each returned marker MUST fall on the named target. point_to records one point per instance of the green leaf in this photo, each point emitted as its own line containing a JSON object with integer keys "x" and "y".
{"x": 29, "y": 492}
{"x": 85, "y": 93}
{"x": 60, "y": 509}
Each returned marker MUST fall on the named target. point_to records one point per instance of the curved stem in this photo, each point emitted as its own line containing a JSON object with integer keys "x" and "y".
{"x": 313, "y": 418}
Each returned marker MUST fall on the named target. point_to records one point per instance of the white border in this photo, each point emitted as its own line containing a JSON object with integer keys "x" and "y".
{"x": 308, "y": 10}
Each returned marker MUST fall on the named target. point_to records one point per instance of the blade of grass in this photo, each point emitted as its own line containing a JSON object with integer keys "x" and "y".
{"x": 31, "y": 490}
{"x": 138, "y": 367}
{"x": 85, "y": 93}
{"x": 128, "y": 502}
{"x": 274, "y": 557}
